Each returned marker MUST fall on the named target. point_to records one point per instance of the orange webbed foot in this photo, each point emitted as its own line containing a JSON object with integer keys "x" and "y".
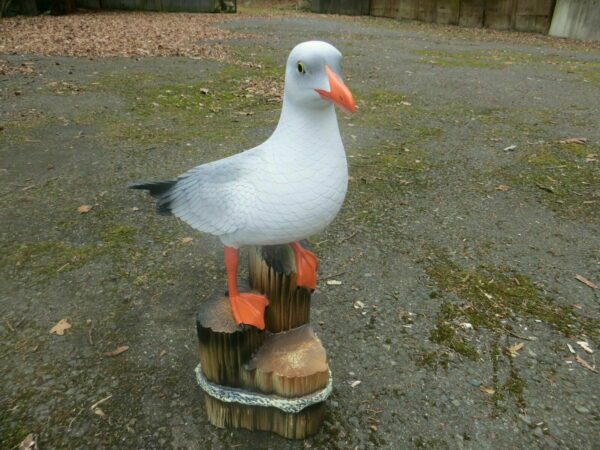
{"x": 307, "y": 265}
{"x": 249, "y": 309}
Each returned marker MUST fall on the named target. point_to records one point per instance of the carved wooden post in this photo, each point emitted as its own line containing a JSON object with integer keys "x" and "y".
{"x": 273, "y": 380}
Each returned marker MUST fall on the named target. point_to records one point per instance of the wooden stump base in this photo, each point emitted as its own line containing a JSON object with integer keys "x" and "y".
{"x": 273, "y": 380}
{"x": 258, "y": 418}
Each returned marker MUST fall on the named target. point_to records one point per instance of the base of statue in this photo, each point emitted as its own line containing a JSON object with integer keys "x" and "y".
{"x": 272, "y": 380}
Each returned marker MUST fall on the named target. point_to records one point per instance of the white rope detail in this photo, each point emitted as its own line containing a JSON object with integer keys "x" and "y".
{"x": 229, "y": 394}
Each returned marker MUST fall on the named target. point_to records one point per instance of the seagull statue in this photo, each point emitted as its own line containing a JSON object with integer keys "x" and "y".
{"x": 289, "y": 187}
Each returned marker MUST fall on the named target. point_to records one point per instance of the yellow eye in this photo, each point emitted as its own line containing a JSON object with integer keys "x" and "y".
{"x": 301, "y": 68}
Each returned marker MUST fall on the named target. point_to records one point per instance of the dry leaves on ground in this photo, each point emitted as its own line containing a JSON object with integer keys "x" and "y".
{"x": 60, "y": 327}
{"x": 513, "y": 350}
{"x": 6, "y": 68}
{"x": 113, "y": 33}
{"x": 269, "y": 88}
{"x": 84, "y": 209}
{"x": 29, "y": 443}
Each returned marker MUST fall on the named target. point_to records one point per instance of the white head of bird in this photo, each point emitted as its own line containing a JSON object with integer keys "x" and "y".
{"x": 313, "y": 78}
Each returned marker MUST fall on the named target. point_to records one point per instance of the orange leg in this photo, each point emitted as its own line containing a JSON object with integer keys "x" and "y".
{"x": 247, "y": 308}
{"x": 306, "y": 266}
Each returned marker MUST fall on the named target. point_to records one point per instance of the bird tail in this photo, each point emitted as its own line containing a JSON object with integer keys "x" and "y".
{"x": 159, "y": 190}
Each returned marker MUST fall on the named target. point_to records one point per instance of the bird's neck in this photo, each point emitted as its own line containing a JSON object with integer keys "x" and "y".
{"x": 307, "y": 126}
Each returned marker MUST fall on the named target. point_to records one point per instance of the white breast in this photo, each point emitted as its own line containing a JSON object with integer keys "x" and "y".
{"x": 299, "y": 185}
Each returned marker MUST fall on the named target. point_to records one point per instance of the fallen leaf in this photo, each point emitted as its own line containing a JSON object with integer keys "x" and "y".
{"x": 163, "y": 353}
{"x": 510, "y": 148}
{"x": 545, "y": 188}
{"x": 574, "y": 140}
{"x": 355, "y": 383}
{"x": 118, "y": 350}
{"x": 487, "y": 390}
{"x": 204, "y": 91}
{"x": 406, "y": 103}
{"x": 60, "y": 327}
{"x": 84, "y": 209}
{"x": 187, "y": 240}
{"x": 583, "y": 363}
{"x": 584, "y": 345}
{"x": 333, "y": 283}
{"x": 465, "y": 325}
{"x": 513, "y": 350}
{"x": 502, "y": 187}
{"x": 571, "y": 349}
{"x": 585, "y": 281}
{"x": 358, "y": 305}
{"x": 29, "y": 443}
{"x": 99, "y": 412}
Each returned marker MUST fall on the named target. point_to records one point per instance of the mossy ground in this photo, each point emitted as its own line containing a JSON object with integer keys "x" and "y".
{"x": 494, "y": 297}
{"x": 563, "y": 176}
{"x": 587, "y": 71}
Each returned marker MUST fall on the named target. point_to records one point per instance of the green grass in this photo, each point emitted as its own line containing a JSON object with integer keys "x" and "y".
{"x": 490, "y": 295}
{"x": 164, "y": 112}
{"x": 446, "y": 334}
{"x": 474, "y": 59}
{"x": 49, "y": 258}
{"x": 583, "y": 70}
{"x": 564, "y": 177}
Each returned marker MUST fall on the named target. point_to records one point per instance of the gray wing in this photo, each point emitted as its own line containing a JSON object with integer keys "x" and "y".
{"x": 216, "y": 197}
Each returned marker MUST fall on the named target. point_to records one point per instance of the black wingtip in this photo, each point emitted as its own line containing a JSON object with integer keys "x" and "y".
{"x": 155, "y": 188}
{"x": 158, "y": 189}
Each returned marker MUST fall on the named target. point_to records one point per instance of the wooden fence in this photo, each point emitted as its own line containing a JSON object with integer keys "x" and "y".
{"x": 522, "y": 15}
{"x": 162, "y": 5}
{"x": 350, "y": 7}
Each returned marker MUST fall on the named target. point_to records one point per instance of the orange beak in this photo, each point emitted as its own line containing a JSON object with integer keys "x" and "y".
{"x": 339, "y": 93}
